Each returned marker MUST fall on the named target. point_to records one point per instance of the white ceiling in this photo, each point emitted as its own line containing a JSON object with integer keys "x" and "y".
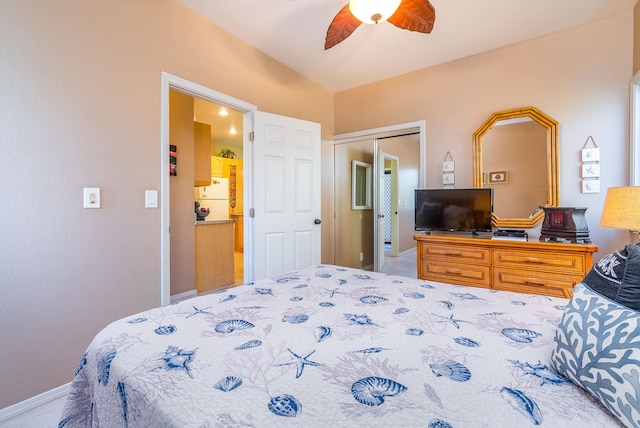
{"x": 293, "y": 32}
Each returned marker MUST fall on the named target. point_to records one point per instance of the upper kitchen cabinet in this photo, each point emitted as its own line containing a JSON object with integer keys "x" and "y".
{"x": 201, "y": 154}
{"x": 217, "y": 166}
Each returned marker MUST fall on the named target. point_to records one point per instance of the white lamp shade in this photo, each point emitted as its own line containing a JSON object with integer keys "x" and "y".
{"x": 373, "y": 11}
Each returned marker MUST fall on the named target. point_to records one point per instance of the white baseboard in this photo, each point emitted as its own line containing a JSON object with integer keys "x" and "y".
{"x": 33, "y": 402}
{"x": 183, "y": 296}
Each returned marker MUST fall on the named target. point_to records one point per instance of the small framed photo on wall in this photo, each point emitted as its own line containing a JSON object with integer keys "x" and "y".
{"x": 498, "y": 177}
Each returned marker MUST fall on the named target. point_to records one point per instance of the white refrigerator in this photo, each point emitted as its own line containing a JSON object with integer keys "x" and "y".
{"x": 216, "y": 198}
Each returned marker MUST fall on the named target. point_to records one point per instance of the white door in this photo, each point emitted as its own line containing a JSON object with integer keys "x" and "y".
{"x": 286, "y": 194}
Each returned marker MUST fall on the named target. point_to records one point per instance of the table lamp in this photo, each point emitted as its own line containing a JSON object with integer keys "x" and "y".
{"x": 622, "y": 208}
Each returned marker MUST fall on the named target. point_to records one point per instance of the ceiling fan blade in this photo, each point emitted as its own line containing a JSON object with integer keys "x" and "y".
{"x": 414, "y": 15}
{"x": 341, "y": 27}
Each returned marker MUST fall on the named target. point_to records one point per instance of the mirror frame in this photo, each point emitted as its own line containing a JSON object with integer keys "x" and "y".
{"x": 553, "y": 164}
{"x": 361, "y": 188}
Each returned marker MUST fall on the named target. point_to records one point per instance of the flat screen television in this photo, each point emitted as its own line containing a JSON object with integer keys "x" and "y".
{"x": 463, "y": 210}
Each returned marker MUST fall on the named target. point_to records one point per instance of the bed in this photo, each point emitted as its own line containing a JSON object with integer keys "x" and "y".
{"x": 328, "y": 346}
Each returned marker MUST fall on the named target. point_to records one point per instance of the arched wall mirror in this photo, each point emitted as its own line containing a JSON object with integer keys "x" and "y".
{"x": 516, "y": 153}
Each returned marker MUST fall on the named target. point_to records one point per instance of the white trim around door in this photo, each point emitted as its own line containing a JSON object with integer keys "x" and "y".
{"x": 169, "y": 81}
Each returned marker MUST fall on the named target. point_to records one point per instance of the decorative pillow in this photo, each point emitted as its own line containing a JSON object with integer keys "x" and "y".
{"x": 597, "y": 346}
{"x": 617, "y": 276}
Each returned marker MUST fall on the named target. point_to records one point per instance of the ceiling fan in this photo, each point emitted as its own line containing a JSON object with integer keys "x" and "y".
{"x": 412, "y": 15}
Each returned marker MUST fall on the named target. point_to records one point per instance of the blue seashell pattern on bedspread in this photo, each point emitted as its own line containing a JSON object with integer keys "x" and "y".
{"x": 330, "y": 346}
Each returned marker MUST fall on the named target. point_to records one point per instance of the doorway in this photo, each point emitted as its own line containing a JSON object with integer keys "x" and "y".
{"x": 227, "y": 163}
{"x": 389, "y": 207}
{"x": 168, "y": 83}
{"x": 359, "y": 235}
{"x": 262, "y": 197}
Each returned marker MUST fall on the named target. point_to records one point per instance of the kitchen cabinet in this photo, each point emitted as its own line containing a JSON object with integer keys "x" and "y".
{"x": 216, "y": 166}
{"x": 201, "y": 154}
{"x": 533, "y": 267}
{"x": 214, "y": 241}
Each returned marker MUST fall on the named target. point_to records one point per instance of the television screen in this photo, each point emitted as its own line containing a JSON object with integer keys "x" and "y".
{"x": 454, "y": 209}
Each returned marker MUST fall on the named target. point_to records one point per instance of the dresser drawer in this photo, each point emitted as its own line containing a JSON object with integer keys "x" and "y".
{"x": 475, "y": 275}
{"x": 534, "y": 282}
{"x": 547, "y": 261}
{"x": 456, "y": 254}
{"x": 533, "y": 267}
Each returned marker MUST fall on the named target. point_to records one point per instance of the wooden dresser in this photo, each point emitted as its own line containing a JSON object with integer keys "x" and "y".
{"x": 547, "y": 268}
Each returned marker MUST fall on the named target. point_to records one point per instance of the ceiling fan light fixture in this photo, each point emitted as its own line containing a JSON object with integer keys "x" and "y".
{"x": 373, "y": 11}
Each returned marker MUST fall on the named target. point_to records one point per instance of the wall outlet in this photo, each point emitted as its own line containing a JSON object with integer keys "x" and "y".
{"x": 361, "y": 256}
{"x": 92, "y": 197}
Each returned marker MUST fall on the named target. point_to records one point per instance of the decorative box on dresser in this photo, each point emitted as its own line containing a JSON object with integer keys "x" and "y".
{"x": 548, "y": 268}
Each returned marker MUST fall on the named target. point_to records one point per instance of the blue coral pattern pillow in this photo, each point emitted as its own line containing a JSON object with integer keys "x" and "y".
{"x": 597, "y": 346}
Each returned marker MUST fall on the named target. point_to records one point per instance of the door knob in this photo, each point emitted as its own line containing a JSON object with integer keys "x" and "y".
{"x": 380, "y": 215}
{"x": 317, "y": 221}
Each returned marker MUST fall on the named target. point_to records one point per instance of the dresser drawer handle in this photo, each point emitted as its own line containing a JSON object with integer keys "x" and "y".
{"x": 453, "y": 271}
{"x": 534, "y": 260}
{"x": 452, "y": 253}
{"x": 537, "y": 284}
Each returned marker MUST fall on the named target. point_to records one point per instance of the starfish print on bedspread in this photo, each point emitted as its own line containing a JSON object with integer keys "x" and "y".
{"x": 449, "y": 320}
{"x": 300, "y": 361}
{"x": 197, "y": 311}
{"x": 333, "y": 292}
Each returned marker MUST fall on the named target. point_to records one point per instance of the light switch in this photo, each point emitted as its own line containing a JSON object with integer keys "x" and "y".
{"x": 92, "y": 197}
{"x": 151, "y": 199}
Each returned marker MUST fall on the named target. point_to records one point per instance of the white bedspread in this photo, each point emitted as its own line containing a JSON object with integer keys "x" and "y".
{"x": 332, "y": 347}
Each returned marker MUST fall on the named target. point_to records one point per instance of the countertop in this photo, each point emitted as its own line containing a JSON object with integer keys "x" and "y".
{"x": 205, "y": 222}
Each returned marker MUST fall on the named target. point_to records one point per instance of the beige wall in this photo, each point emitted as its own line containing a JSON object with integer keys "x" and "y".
{"x": 328, "y": 203}
{"x": 580, "y": 77}
{"x": 80, "y": 107}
